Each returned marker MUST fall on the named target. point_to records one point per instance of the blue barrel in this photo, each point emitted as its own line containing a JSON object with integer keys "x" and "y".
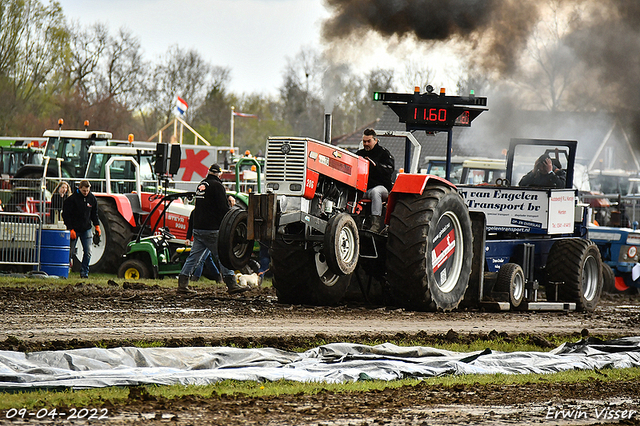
{"x": 54, "y": 252}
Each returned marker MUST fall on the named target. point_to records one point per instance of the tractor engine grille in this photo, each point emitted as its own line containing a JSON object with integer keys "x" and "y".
{"x": 285, "y": 165}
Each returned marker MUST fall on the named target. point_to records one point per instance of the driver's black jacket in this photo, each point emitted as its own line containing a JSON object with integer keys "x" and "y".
{"x": 381, "y": 173}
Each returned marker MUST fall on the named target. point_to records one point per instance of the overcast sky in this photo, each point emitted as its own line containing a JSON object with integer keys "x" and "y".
{"x": 251, "y": 37}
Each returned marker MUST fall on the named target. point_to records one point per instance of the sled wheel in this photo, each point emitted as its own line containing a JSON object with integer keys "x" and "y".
{"x": 429, "y": 250}
{"x": 133, "y": 269}
{"x": 302, "y": 276}
{"x": 233, "y": 247}
{"x": 609, "y": 279}
{"x": 576, "y": 263}
{"x": 511, "y": 280}
{"x": 116, "y": 234}
{"x": 342, "y": 244}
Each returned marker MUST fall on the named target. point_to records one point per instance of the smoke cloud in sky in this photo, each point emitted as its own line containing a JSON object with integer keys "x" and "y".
{"x": 607, "y": 36}
{"x": 599, "y": 42}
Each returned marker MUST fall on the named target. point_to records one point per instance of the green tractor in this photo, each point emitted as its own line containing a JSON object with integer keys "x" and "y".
{"x": 161, "y": 254}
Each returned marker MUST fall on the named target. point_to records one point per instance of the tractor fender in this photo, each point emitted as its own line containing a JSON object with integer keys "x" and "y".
{"x": 122, "y": 204}
{"x": 407, "y": 183}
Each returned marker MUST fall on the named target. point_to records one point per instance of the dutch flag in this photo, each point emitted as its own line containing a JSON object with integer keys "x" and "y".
{"x": 181, "y": 106}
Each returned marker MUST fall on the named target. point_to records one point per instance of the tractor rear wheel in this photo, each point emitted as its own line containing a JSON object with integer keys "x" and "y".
{"x": 429, "y": 250}
{"x": 511, "y": 280}
{"x": 116, "y": 234}
{"x": 576, "y": 263}
{"x": 133, "y": 269}
{"x": 302, "y": 276}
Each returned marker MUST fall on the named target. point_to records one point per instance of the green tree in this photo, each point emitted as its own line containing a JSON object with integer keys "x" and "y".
{"x": 33, "y": 41}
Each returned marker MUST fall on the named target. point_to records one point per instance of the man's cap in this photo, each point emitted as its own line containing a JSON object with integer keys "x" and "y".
{"x": 215, "y": 168}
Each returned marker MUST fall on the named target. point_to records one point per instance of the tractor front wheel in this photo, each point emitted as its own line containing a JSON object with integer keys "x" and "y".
{"x": 234, "y": 249}
{"x": 133, "y": 269}
{"x": 511, "y": 281}
{"x": 342, "y": 244}
{"x": 429, "y": 250}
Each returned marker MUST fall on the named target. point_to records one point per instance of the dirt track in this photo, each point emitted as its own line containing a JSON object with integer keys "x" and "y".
{"x": 84, "y": 314}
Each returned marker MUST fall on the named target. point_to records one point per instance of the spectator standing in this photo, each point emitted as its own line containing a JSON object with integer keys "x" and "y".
{"x": 60, "y": 194}
{"x": 211, "y": 206}
{"x": 79, "y": 212}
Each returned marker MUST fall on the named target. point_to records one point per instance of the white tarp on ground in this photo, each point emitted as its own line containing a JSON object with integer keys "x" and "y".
{"x": 337, "y": 362}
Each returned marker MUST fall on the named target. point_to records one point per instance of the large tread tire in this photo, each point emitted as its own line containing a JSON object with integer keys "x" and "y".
{"x": 234, "y": 249}
{"x": 116, "y": 234}
{"x": 609, "y": 279}
{"x": 429, "y": 250}
{"x": 297, "y": 280}
{"x": 576, "y": 263}
{"x": 511, "y": 280}
{"x": 342, "y": 244}
{"x": 133, "y": 269}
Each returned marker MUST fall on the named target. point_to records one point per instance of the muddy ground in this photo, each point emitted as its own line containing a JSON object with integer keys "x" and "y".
{"x": 85, "y": 315}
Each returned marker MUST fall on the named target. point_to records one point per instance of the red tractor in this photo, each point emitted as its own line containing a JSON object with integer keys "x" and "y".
{"x": 314, "y": 215}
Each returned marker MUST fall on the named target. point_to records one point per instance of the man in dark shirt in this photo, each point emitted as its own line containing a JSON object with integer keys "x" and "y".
{"x": 211, "y": 206}
{"x": 79, "y": 211}
{"x": 381, "y": 164}
{"x": 544, "y": 174}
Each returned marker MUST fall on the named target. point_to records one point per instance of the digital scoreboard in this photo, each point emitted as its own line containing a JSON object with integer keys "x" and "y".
{"x": 433, "y": 112}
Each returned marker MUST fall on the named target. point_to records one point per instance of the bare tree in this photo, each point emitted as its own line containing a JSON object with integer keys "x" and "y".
{"x": 181, "y": 73}
{"x": 87, "y": 47}
{"x": 418, "y": 74}
{"x": 125, "y": 70}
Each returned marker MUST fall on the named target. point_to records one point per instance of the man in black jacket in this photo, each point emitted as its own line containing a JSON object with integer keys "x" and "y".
{"x": 211, "y": 206}
{"x": 79, "y": 212}
{"x": 381, "y": 165}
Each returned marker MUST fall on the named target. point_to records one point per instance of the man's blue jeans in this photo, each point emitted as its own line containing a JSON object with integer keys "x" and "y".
{"x": 86, "y": 239}
{"x": 203, "y": 239}
{"x": 208, "y": 262}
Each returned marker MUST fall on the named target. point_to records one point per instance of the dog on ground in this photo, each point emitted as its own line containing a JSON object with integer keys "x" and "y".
{"x": 250, "y": 280}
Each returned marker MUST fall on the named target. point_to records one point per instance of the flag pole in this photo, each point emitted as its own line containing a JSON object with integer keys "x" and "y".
{"x": 232, "y": 111}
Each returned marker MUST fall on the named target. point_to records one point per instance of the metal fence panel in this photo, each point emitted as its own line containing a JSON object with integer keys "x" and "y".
{"x": 20, "y": 238}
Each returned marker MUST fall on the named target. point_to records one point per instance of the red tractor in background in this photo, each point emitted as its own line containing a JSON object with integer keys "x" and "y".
{"x": 313, "y": 217}
{"x": 125, "y": 179}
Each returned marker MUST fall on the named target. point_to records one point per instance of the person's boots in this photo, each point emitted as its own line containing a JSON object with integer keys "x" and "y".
{"x": 377, "y": 224}
{"x": 183, "y": 285}
{"x": 232, "y": 285}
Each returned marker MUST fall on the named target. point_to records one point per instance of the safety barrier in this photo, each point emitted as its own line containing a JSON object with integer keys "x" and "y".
{"x": 20, "y": 238}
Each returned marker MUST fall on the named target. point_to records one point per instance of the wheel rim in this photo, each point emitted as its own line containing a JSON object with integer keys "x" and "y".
{"x": 590, "y": 278}
{"x": 518, "y": 286}
{"x": 447, "y": 253}
{"x": 132, "y": 274}
{"x": 327, "y": 277}
{"x": 97, "y": 251}
{"x": 347, "y": 245}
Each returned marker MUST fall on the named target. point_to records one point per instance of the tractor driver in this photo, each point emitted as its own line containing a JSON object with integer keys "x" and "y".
{"x": 545, "y": 173}
{"x": 381, "y": 165}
